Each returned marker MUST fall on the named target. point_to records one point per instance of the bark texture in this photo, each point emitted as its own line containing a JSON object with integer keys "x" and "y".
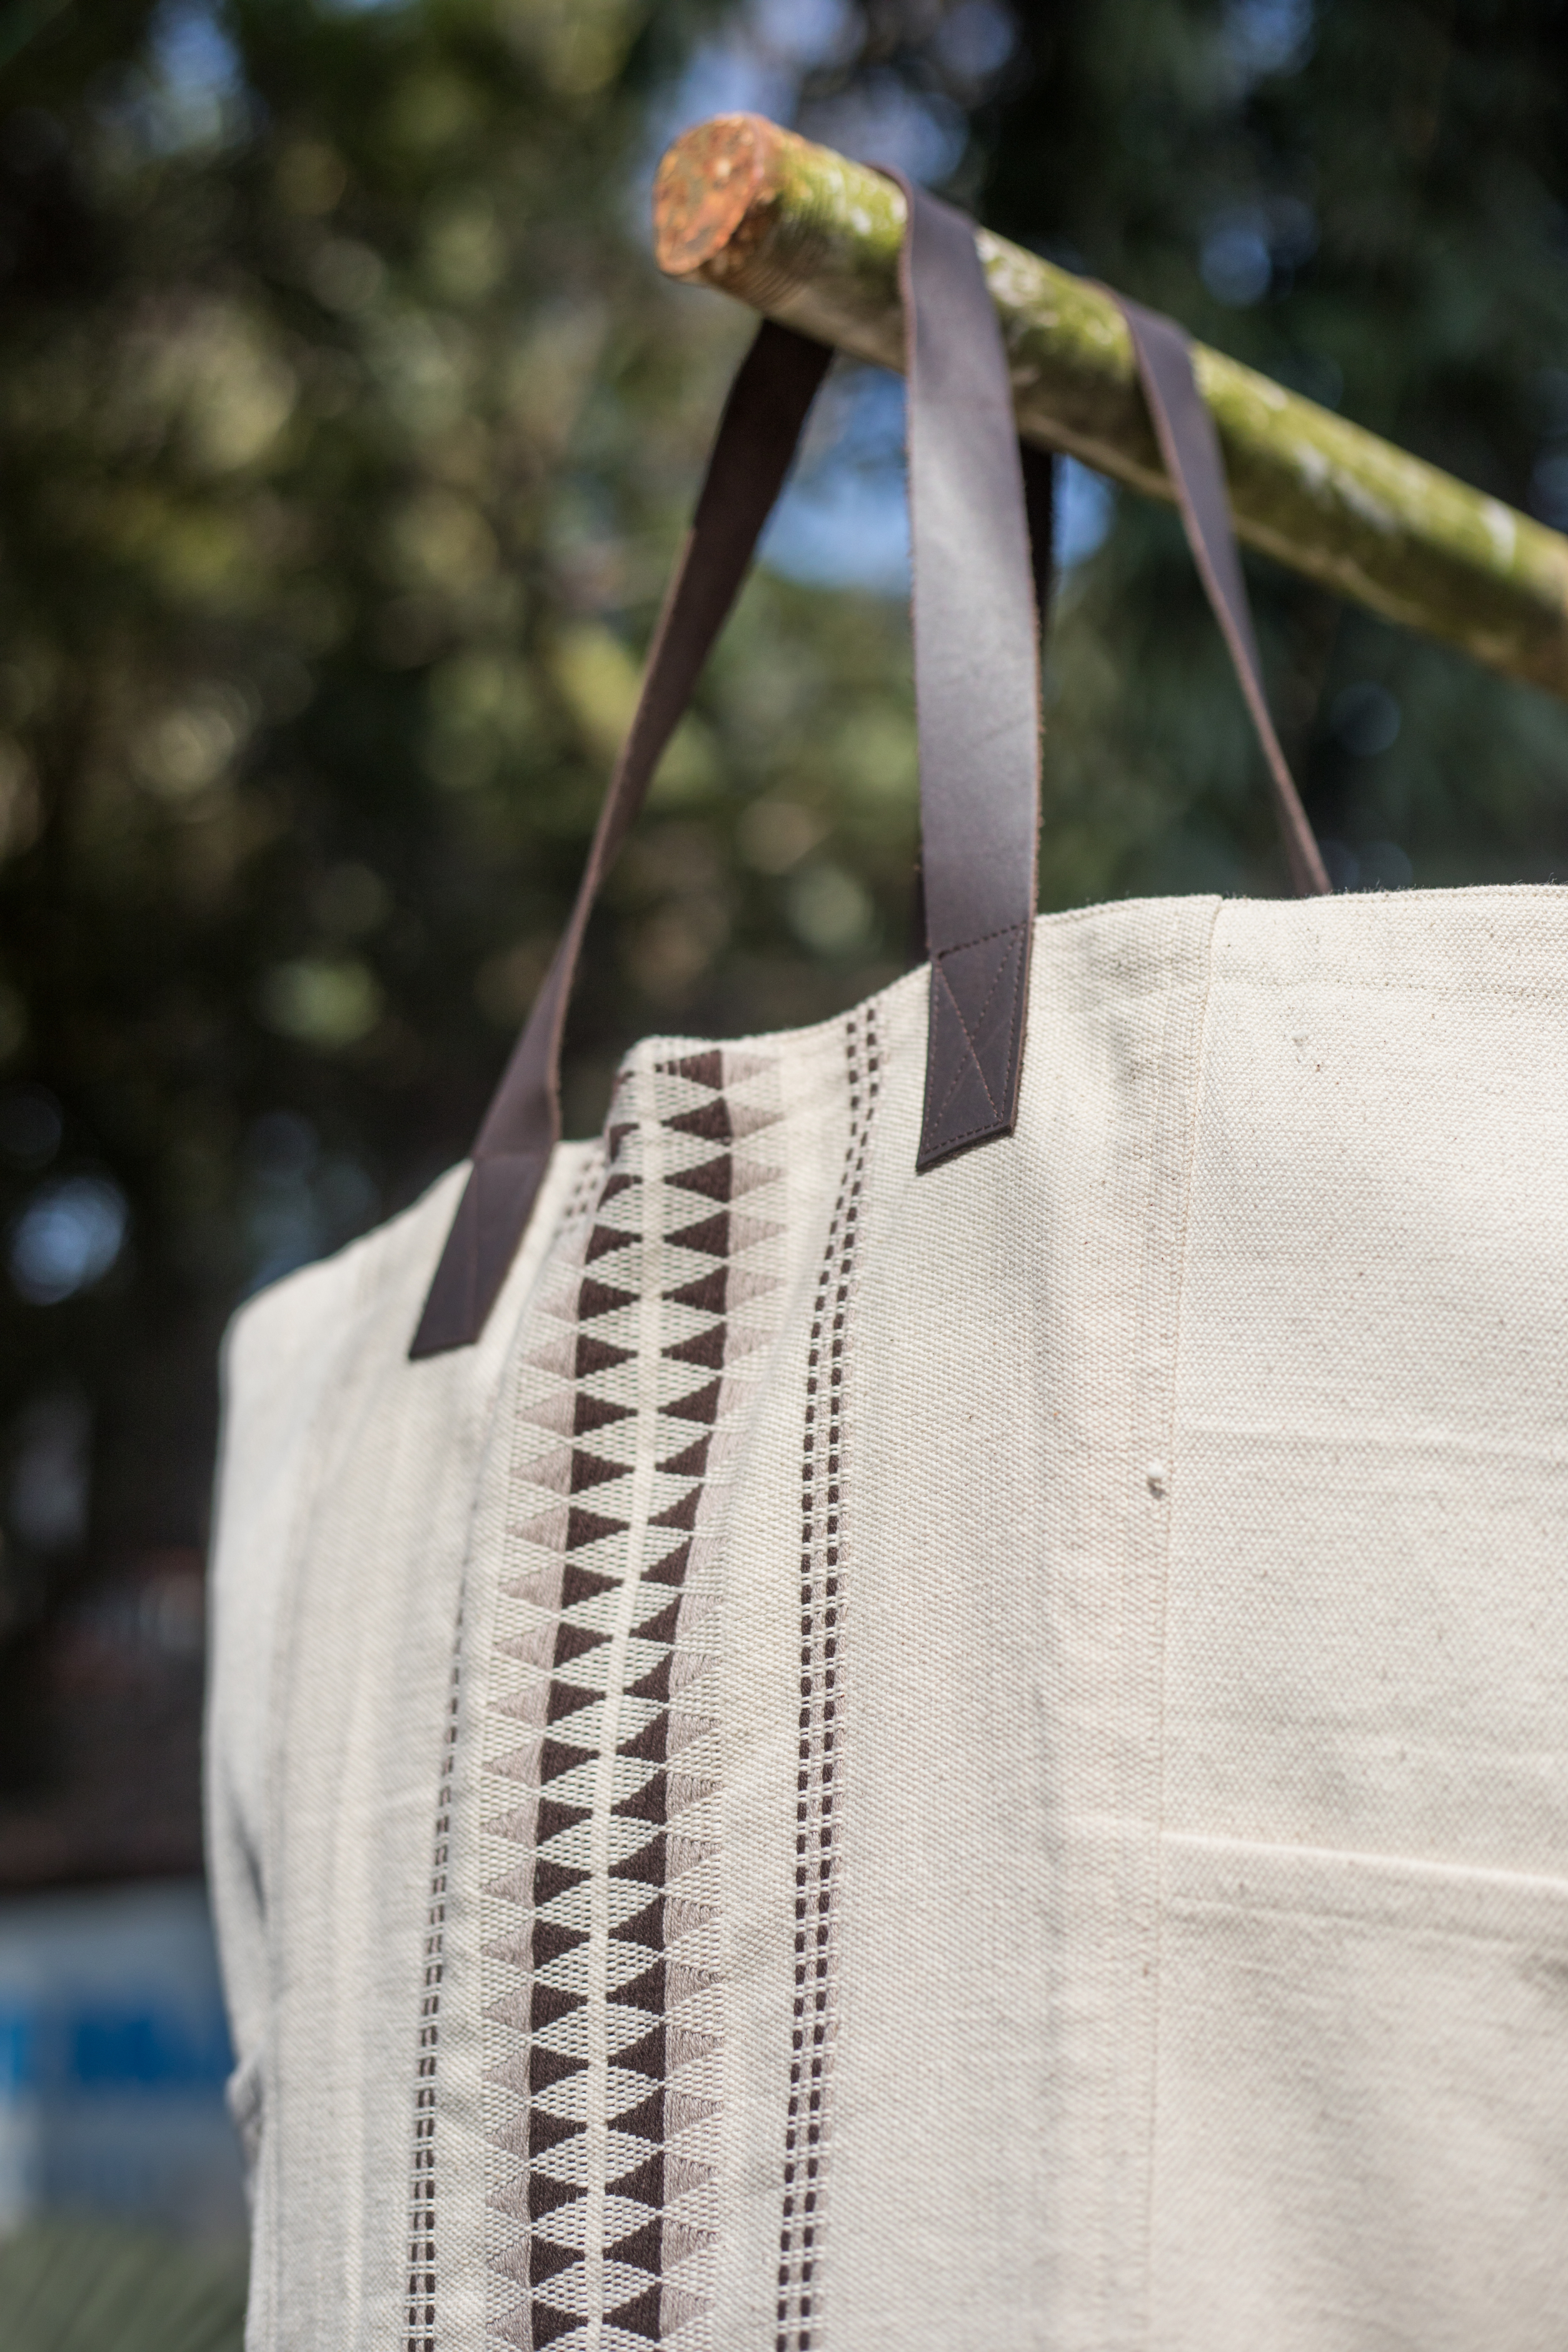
{"x": 806, "y": 236}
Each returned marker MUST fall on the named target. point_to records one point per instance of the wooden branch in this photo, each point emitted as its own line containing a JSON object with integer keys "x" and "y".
{"x": 810, "y": 238}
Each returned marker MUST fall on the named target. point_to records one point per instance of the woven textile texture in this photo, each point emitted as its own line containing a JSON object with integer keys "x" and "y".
{"x": 1004, "y": 1778}
{"x": 602, "y": 1752}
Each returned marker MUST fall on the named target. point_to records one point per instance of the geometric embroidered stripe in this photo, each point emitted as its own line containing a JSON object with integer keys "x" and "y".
{"x": 420, "y": 2333}
{"x": 601, "y": 2001}
{"x": 806, "y": 2119}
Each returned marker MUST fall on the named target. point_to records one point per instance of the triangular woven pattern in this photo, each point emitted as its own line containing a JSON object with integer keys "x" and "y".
{"x": 602, "y": 2015}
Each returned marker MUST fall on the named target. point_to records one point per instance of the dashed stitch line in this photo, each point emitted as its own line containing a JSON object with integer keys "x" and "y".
{"x": 420, "y": 2332}
{"x": 821, "y": 1487}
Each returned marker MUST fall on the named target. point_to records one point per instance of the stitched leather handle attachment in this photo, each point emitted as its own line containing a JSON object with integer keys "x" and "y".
{"x": 976, "y": 659}
{"x": 979, "y": 513}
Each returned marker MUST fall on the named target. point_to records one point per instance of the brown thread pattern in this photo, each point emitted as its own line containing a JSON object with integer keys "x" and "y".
{"x": 821, "y": 1480}
{"x": 603, "y": 2051}
{"x": 421, "y": 2316}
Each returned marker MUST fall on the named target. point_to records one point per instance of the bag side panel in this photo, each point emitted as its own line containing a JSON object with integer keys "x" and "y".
{"x": 1363, "y": 2085}
{"x": 1009, "y": 1381}
{"x": 348, "y": 1491}
{"x": 281, "y": 1356}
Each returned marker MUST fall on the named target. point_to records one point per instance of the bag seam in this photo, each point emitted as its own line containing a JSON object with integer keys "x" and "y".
{"x": 1200, "y": 1081}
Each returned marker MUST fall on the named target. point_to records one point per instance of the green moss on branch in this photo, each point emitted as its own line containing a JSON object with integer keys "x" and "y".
{"x": 806, "y": 236}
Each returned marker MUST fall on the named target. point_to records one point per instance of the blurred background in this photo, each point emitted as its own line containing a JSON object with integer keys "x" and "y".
{"x": 346, "y": 431}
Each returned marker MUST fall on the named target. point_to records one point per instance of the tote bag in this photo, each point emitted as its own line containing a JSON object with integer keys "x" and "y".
{"x": 921, "y": 1700}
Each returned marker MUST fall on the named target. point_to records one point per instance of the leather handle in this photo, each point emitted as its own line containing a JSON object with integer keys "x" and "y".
{"x": 976, "y": 677}
{"x": 1190, "y": 447}
{"x": 757, "y": 436}
{"x": 980, "y": 517}
{"x": 978, "y": 685}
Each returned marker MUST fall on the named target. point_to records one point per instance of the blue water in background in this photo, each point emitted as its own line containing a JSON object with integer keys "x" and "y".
{"x": 113, "y": 2053}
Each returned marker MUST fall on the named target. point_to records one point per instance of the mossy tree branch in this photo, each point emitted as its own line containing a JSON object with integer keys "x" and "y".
{"x": 806, "y": 236}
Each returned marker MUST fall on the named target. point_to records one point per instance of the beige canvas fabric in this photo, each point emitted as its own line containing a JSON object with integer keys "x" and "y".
{"x": 977, "y": 1761}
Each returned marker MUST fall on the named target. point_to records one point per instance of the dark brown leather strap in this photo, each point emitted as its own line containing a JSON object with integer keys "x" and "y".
{"x": 1039, "y": 506}
{"x": 1190, "y": 446}
{"x": 978, "y": 685}
{"x": 977, "y": 672}
{"x": 976, "y": 679}
{"x": 757, "y": 437}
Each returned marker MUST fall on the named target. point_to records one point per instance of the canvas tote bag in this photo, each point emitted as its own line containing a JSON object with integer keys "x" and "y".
{"x": 933, "y": 1712}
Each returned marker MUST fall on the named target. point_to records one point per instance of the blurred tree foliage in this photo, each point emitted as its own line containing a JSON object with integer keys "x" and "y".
{"x": 346, "y": 431}
{"x": 345, "y": 435}
{"x": 1367, "y": 203}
